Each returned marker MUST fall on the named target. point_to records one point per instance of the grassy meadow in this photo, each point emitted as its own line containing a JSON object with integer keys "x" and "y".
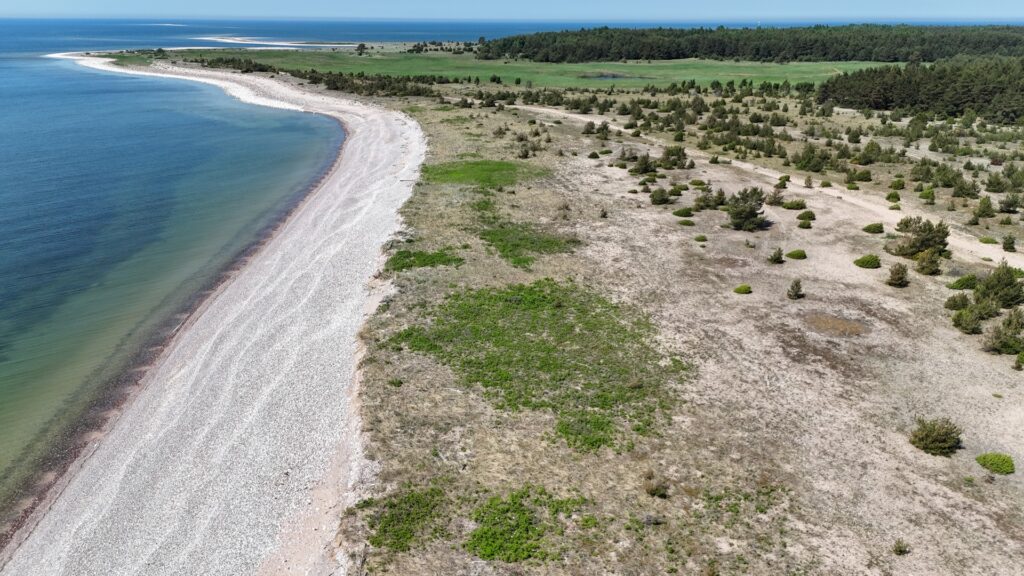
{"x": 633, "y": 74}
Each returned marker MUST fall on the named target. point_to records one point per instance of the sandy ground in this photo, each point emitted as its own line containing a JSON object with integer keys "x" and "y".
{"x": 241, "y": 449}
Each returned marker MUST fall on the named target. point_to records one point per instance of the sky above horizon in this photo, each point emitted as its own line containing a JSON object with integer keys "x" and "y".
{"x": 567, "y": 10}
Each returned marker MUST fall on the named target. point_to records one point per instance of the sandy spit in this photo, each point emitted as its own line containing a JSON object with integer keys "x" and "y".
{"x": 243, "y": 443}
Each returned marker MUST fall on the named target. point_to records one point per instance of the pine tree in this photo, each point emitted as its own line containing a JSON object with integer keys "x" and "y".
{"x": 795, "y": 291}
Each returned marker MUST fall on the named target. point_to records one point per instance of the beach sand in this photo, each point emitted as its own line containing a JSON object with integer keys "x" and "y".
{"x": 242, "y": 447}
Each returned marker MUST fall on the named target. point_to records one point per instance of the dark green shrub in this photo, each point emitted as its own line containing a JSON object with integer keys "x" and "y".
{"x": 900, "y": 548}
{"x": 795, "y": 291}
{"x": 593, "y": 155}
{"x": 797, "y": 255}
{"x": 967, "y": 320}
{"x": 928, "y": 262}
{"x": 875, "y": 228}
{"x": 744, "y": 209}
{"x": 797, "y": 204}
{"x": 659, "y": 196}
{"x": 685, "y": 222}
{"x": 1005, "y": 338}
{"x": 1009, "y": 243}
{"x": 898, "y": 276}
{"x": 700, "y": 238}
{"x": 804, "y": 224}
{"x": 805, "y": 215}
{"x": 957, "y": 302}
{"x": 938, "y": 437}
{"x": 743, "y": 289}
{"x": 1001, "y": 286}
{"x": 893, "y": 197}
{"x": 868, "y": 261}
{"x": 684, "y": 212}
{"x": 996, "y": 462}
{"x": 920, "y": 235}
{"x": 776, "y": 257}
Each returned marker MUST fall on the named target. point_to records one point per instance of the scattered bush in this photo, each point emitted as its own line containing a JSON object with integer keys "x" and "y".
{"x": 795, "y": 291}
{"x": 938, "y": 437}
{"x": 797, "y": 255}
{"x": 700, "y": 238}
{"x": 920, "y": 235}
{"x": 797, "y": 204}
{"x": 928, "y": 262}
{"x": 893, "y": 197}
{"x": 988, "y": 240}
{"x": 776, "y": 257}
{"x": 1000, "y": 286}
{"x": 957, "y": 302}
{"x": 684, "y": 212}
{"x": 805, "y": 215}
{"x": 685, "y": 222}
{"x": 1006, "y": 337}
{"x": 744, "y": 209}
{"x": 996, "y": 463}
{"x": 1009, "y": 243}
{"x": 659, "y": 196}
{"x": 804, "y": 224}
{"x": 743, "y": 289}
{"x": 875, "y": 228}
{"x": 900, "y": 548}
{"x": 868, "y": 261}
{"x": 898, "y": 276}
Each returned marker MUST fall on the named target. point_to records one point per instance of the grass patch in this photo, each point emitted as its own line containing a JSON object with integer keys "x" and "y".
{"x": 968, "y": 282}
{"x": 488, "y": 173}
{"x": 868, "y": 261}
{"x": 518, "y": 242}
{"x": 743, "y": 289}
{"x": 406, "y": 518}
{"x": 797, "y": 255}
{"x": 554, "y": 346}
{"x": 988, "y": 240}
{"x": 406, "y": 259}
{"x": 515, "y": 528}
{"x": 875, "y": 228}
{"x": 996, "y": 462}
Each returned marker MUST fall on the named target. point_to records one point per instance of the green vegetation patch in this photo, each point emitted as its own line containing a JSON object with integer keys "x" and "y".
{"x": 743, "y": 289}
{"x": 515, "y": 528}
{"x": 938, "y": 437}
{"x": 797, "y": 255}
{"x": 405, "y": 518}
{"x": 996, "y": 462}
{"x": 554, "y": 346}
{"x": 967, "y": 282}
{"x": 406, "y": 259}
{"x": 489, "y": 173}
{"x": 868, "y": 261}
{"x": 875, "y": 228}
{"x": 517, "y": 242}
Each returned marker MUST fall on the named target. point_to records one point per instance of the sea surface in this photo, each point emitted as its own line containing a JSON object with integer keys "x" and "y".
{"x": 124, "y": 198}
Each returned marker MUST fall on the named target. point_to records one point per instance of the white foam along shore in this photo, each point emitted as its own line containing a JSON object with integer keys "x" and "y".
{"x": 274, "y": 43}
{"x": 241, "y": 448}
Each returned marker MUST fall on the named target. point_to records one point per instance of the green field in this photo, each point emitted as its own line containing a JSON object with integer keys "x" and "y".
{"x": 586, "y": 75}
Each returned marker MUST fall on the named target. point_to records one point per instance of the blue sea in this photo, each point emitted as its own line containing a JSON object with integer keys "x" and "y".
{"x": 122, "y": 201}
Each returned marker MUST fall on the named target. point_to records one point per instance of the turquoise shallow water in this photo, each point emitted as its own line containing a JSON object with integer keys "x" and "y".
{"x": 120, "y": 198}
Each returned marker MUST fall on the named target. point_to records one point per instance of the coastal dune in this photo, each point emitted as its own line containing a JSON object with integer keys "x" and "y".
{"x": 242, "y": 444}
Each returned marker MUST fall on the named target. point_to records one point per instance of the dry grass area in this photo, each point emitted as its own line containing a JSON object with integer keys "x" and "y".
{"x": 740, "y": 434}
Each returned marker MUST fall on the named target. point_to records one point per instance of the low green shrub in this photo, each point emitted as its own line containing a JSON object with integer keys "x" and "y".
{"x": 938, "y": 437}
{"x": 804, "y": 224}
{"x": 796, "y": 255}
{"x": 957, "y": 302}
{"x": 806, "y": 215}
{"x": 996, "y": 462}
{"x": 795, "y": 291}
{"x": 868, "y": 261}
{"x": 875, "y": 228}
{"x": 898, "y": 276}
{"x": 988, "y": 240}
{"x": 405, "y": 518}
{"x": 776, "y": 257}
{"x": 797, "y": 204}
{"x": 700, "y": 238}
{"x": 967, "y": 282}
{"x": 406, "y": 259}
{"x": 685, "y": 222}
{"x": 515, "y": 528}
{"x": 684, "y": 212}
{"x": 743, "y": 289}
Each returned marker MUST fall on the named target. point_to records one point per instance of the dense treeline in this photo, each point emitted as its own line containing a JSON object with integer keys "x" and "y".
{"x": 875, "y": 42}
{"x": 991, "y": 86}
{"x": 355, "y": 83}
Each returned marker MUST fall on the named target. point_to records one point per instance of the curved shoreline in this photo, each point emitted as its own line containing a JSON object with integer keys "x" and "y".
{"x": 264, "y": 367}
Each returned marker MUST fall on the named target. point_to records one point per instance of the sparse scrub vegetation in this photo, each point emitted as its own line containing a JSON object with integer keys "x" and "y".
{"x": 996, "y": 463}
{"x": 406, "y": 259}
{"x": 938, "y": 437}
{"x": 868, "y": 261}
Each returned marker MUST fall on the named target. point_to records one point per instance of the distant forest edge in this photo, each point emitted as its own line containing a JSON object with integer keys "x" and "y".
{"x": 874, "y": 42}
{"x": 990, "y": 86}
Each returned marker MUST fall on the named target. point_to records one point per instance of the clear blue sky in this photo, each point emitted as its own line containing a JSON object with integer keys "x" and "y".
{"x": 572, "y": 10}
